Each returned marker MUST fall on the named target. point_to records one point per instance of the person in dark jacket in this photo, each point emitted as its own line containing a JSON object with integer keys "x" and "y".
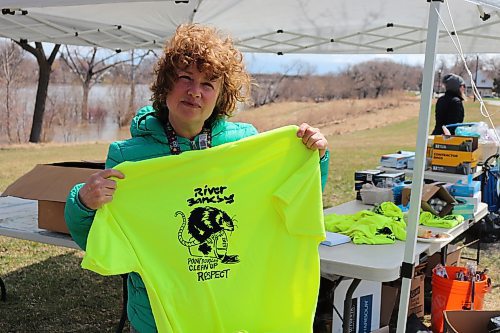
{"x": 449, "y": 107}
{"x": 199, "y": 80}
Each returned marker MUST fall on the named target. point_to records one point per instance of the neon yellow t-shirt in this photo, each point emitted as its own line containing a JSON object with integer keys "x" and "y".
{"x": 225, "y": 239}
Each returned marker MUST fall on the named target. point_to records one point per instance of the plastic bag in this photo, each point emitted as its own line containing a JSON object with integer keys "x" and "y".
{"x": 479, "y": 129}
{"x": 372, "y": 195}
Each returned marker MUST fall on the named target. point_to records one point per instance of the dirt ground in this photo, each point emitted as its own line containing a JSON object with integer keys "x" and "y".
{"x": 335, "y": 117}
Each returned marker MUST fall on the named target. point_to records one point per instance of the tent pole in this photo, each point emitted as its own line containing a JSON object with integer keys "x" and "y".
{"x": 419, "y": 167}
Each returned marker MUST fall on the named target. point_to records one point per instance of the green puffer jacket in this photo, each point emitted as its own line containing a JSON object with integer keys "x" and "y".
{"x": 149, "y": 141}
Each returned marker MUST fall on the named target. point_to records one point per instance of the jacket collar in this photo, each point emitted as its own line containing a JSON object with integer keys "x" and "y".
{"x": 146, "y": 124}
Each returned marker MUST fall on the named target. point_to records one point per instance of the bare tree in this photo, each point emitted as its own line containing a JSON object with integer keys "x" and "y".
{"x": 459, "y": 66}
{"x": 132, "y": 79}
{"x": 44, "y": 70}
{"x": 359, "y": 84}
{"x": 97, "y": 113}
{"x": 494, "y": 66}
{"x": 61, "y": 117}
{"x": 89, "y": 68}
{"x": 267, "y": 88}
{"x": 377, "y": 78}
{"x": 363, "y": 80}
{"x": 382, "y": 76}
{"x": 120, "y": 104}
{"x": 23, "y": 122}
{"x": 11, "y": 59}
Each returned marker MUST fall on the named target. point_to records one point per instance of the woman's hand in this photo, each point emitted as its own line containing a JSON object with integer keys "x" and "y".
{"x": 98, "y": 189}
{"x": 313, "y": 138}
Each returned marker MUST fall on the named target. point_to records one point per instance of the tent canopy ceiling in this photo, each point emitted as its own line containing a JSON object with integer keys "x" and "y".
{"x": 271, "y": 26}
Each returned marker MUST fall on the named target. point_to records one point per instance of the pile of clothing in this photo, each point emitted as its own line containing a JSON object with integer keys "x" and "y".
{"x": 383, "y": 224}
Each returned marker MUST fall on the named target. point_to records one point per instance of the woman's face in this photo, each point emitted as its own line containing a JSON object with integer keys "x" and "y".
{"x": 192, "y": 98}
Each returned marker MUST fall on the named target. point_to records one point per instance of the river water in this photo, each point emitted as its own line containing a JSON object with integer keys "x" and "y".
{"x": 67, "y": 99}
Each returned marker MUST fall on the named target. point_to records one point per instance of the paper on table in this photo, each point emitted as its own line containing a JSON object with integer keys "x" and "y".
{"x": 333, "y": 238}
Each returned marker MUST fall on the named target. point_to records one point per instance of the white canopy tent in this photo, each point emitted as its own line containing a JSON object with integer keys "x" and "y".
{"x": 286, "y": 26}
{"x": 279, "y": 26}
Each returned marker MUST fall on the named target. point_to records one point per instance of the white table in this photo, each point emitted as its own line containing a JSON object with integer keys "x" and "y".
{"x": 380, "y": 263}
{"x": 19, "y": 219}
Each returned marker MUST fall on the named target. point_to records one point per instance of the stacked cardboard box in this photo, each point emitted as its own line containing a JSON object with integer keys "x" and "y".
{"x": 455, "y": 154}
{"x": 471, "y": 202}
{"x": 362, "y": 177}
{"x": 397, "y": 160}
{"x": 468, "y": 196}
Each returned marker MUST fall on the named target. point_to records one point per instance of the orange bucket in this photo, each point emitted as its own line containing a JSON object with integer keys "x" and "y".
{"x": 451, "y": 294}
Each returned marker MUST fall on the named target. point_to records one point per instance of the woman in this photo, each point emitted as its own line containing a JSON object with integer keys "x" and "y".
{"x": 449, "y": 107}
{"x": 199, "y": 80}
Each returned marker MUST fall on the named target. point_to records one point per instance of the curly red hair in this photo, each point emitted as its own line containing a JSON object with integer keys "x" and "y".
{"x": 214, "y": 55}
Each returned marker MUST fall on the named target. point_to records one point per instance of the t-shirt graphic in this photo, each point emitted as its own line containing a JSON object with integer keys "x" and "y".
{"x": 225, "y": 239}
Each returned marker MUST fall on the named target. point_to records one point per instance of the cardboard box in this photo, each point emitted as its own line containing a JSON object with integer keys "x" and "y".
{"x": 474, "y": 200}
{"x": 391, "y": 293}
{"x": 455, "y": 154}
{"x": 462, "y": 169}
{"x": 366, "y": 175}
{"x": 389, "y": 299}
{"x": 430, "y": 191}
{"x": 50, "y": 185}
{"x": 365, "y": 309}
{"x": 465, "y": 209}
{"x": 454, "y": 158}
{"x": 460, "y": 321}
{"x": 465, "y": 190}
{"x": 416, "y": 301}
{"x": 455, "y": 143}
{"x": 458, "y": 162}
{"x": 452, "y": 259}
{"x": 389, "y": 179}
{"x": 397, "y": 160}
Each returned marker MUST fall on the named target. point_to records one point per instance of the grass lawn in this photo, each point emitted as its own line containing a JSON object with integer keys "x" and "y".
{"x": 49, "y": 292}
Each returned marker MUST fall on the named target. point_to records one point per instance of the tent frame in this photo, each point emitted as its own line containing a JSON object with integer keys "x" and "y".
{"x": 408, "y": 265}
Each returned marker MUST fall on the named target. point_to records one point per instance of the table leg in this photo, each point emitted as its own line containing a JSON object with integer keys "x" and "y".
{"x": 347, "y": 305}
{"x": 3, "y": 291}
{"x": 323, "y": 318}
{"x": 478, "y": 245}
{"x": 444, "y": 253}
{"x": 123, "y": 317}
